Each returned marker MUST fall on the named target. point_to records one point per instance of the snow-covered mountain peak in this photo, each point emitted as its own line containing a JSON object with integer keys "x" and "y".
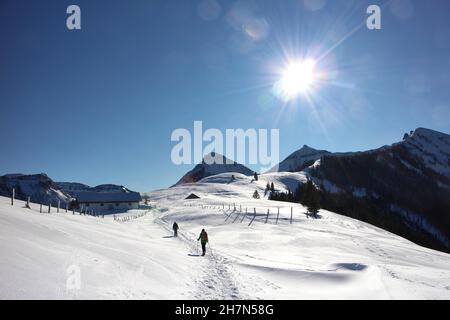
{"x": 431, "y": 147}
{"x": 214, "y": 158}
{"x": 299, "y": 160}
{"x": 212, "y": 164}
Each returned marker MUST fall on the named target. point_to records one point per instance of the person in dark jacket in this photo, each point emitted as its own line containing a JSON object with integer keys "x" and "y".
{"x": 175, "y": 229}
{"x": 203, "y": 240}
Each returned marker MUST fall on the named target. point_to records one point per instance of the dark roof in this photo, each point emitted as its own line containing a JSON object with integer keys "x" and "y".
{"x": 108, "y": 197}
{"x": 192, "y": 196}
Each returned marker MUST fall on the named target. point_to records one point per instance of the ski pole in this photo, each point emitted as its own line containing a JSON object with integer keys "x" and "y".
{"x": 209, "y": 246}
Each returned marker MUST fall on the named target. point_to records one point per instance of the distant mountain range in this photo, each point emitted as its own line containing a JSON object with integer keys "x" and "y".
{"x": 39, "y": 187}
{"x": 42, "y": 189}
{"x": 72, "y": 188}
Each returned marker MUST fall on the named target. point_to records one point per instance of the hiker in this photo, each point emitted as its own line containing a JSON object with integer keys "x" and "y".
{"x": 204, "y": 240}
{"x": 175, "y": 229}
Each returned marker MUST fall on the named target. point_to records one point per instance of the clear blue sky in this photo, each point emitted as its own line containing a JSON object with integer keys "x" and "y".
{"x": 99, "y": 105}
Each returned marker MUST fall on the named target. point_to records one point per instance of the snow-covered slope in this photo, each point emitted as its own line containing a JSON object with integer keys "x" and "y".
{"x": 213, "y": 164}
{"x": 334, "y": 257}
{"x": 117, "y": 260}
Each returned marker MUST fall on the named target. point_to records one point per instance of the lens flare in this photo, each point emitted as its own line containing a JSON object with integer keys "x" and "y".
{"x": 298, "y": 79}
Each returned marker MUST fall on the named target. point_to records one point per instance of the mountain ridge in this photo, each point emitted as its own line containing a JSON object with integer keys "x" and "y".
{"x": 212, "y": 164}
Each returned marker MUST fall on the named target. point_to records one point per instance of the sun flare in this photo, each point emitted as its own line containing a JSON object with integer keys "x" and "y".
{"x": 298, "y": 78}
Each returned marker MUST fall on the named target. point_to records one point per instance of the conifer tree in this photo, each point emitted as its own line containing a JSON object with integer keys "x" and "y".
{"x": 311, "y": 198}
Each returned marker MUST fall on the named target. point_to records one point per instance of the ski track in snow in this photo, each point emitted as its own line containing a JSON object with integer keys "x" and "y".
{"x": 217, "y": 281}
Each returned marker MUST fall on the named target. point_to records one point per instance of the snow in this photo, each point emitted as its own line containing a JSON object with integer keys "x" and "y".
{"x": 333, "y": 257}
{"x": 117, "y": 260}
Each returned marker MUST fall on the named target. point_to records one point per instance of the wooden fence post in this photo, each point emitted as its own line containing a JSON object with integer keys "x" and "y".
{"x": 267, "y": 217}
{"x": 254, "y": 216}
{"x": 291, "y": 215}
{"x": 13, "y": 196}
{"x": 59, "y": 205}
{"x": 278, "y": 215}
{"x": 28, "y": 203}
{"x": 40, "y": 208}
{"x": 49, "y": 207}
{"x": 67, "y": 207}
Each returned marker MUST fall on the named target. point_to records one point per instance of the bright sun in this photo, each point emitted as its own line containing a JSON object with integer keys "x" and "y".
{"x": 298, "y": 78}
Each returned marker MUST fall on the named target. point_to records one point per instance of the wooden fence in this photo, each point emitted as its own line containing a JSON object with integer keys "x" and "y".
{"x": 237, "y": 214}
